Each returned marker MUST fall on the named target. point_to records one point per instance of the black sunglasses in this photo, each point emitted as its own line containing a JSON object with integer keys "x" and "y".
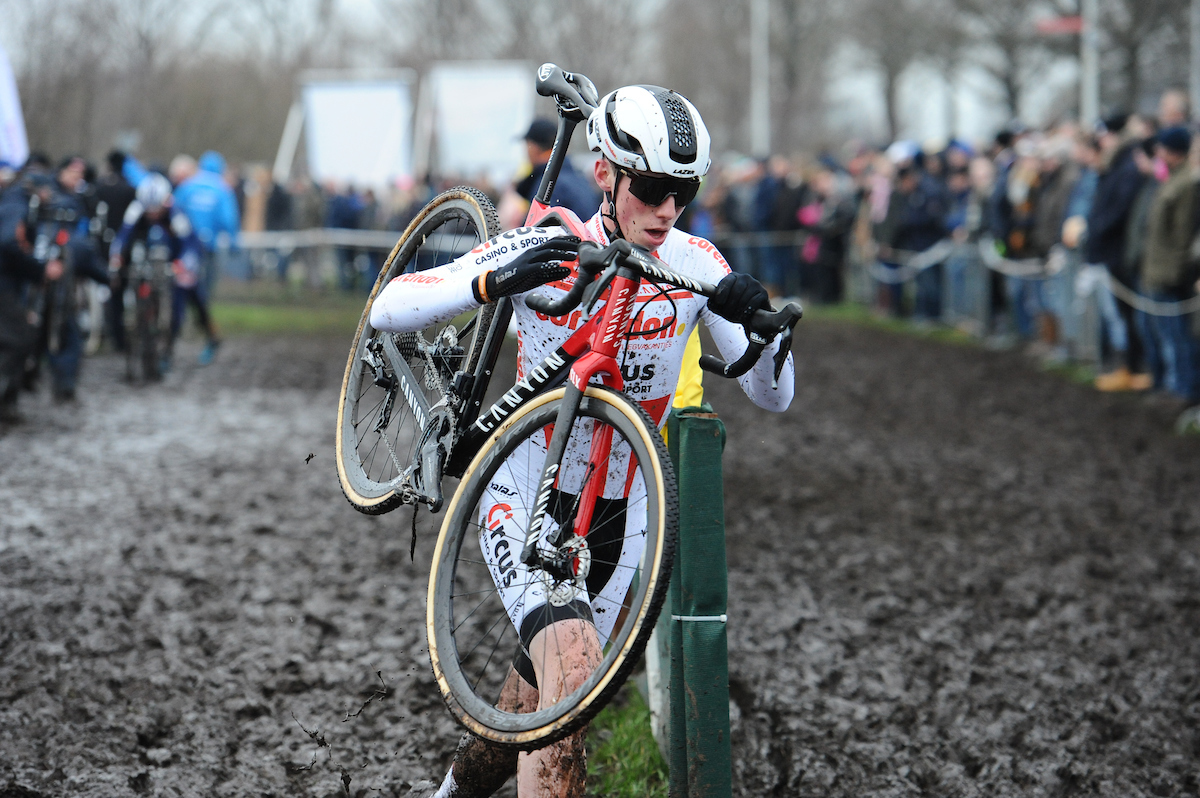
{"x": 655, "y": 190}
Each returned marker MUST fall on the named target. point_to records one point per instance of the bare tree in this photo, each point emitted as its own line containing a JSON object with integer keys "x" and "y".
{"x": 442, "y": 29}
{"x": 894, "y": 34}
{"x": 705, "y": 56}
{"x": 1129, "y": 26}
{"x": 802, "y": 42}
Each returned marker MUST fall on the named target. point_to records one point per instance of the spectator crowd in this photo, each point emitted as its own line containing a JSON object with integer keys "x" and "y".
{"x": 1003, "y": 238}
{"x": 1010, "y": 239}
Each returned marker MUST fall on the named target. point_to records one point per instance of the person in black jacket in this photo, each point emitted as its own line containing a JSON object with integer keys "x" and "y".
{"x": 67, "y": 195}
{"x": 916, "y": 220}
{"x": 281, "y": 216}
{"x": 113, "y": 195}
{"x": 18, "y": 270}
{"x": 1118, "y": 186}
{"x": 572, "y": 189}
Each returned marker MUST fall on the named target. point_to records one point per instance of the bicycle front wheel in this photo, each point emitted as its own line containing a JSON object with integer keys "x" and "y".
{"x": 489, "y": 615}
{"x": 377, "y": 430}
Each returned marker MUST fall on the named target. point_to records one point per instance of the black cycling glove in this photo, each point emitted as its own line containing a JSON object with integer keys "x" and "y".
{"x": 738, "y": 296}
{"x": 535, "y": 266}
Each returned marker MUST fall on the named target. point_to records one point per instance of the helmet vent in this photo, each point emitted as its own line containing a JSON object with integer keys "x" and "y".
{"x": 679, "y": 121}
{"x": 623, "y": 139}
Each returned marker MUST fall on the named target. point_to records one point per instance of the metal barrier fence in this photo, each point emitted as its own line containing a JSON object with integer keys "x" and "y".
{"x": 326, "y": 256}
{"x": 975, "y": 289}
{"x": 978, "y": 291}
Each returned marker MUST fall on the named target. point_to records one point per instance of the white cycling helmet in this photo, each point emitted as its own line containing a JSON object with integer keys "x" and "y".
{"x": 153, "y": 191}
{"x": 650, "y": 129}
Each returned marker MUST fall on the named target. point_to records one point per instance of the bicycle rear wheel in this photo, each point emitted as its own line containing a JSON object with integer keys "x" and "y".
{"x": 142, "y": 357}
{"x": 479, "y": 591}
{"x": 377, "y": 430}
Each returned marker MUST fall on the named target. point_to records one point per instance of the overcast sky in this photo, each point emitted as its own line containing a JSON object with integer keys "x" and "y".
{"x": 855, "y": 98}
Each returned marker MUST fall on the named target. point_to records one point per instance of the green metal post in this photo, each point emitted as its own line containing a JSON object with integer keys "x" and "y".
{"x": 696, "y": 612}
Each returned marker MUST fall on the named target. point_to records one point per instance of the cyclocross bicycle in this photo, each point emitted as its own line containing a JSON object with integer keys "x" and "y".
{"x": 150, "y": 280}
{"x": 411, "y": 413}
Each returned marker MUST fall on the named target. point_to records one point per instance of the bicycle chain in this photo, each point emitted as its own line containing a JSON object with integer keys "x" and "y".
{"x": 403, "y": 481}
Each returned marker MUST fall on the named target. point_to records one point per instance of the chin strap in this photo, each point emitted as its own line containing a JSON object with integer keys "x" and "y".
{"x": 612, "y": 214}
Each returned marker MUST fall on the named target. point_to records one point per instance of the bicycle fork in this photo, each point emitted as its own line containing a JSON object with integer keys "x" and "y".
{"x": 597, "y": 471}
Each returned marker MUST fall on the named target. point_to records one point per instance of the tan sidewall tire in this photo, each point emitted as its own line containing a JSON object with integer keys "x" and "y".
{"x": 655, "y": 589}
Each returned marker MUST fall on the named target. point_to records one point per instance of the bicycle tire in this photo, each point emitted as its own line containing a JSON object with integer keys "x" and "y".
{"x": 164, "y": 297}
{"x": 147, "y": 349}
{"x": 366, "y": 467}
{"x": 91, "y": 315}
{"x": 469, "y": 675}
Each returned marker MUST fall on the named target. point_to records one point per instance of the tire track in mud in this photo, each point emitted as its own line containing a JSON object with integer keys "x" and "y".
{"x": 949, "y": 574}
{"x": 954, "y": 575}
{"x": 183, "y": 595}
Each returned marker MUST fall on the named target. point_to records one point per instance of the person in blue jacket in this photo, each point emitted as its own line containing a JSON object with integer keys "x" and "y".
{"x": 211, "y": 207}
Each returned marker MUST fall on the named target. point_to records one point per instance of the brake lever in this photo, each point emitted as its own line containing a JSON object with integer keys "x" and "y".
{"x": 781, "y": 356}
{"x": 592, "y": 293}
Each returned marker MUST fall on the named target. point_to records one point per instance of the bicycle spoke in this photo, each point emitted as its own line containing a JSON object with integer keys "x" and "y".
{"x": 483, "y": 670}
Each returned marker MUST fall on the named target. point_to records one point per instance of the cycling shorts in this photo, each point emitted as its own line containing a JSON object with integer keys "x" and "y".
{"x": 614, "y": 543}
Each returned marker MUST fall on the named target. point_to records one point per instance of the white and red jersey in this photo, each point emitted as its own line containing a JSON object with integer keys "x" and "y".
{"x": 650, "y": 363}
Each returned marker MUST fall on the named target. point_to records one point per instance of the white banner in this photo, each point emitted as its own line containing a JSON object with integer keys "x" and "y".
{"x": 482, "y": 111}
{"x": 358, "y": 131}
{"x": 14, "y": 147}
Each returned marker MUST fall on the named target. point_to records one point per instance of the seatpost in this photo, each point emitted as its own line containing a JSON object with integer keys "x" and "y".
{"x": 562, "y": 141}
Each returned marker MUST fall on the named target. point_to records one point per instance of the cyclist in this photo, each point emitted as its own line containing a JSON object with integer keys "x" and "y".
{"x": 67, "y": 194}
{"x": 115, "y": 193}
{"x": 655, "y": 149}
{"x": 152, "y": 219}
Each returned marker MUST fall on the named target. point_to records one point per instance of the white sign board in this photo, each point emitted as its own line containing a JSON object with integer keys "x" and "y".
{"x": 14, "y": 147}
{"x": 358, "y": 132}
{"x": 482, "y": 109}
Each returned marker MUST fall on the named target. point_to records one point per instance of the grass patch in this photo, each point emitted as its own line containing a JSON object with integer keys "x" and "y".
{"x": 623, "y": 759}
{"x": 246, "y": 319}
{"x": 852, "y": 313}
{"x": 1078, "y": 373}
{"x": 270, "y": 309}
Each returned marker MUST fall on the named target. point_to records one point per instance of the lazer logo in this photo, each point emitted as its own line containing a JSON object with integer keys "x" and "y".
{"x": 524, "y": 389}
{"x": 543, "y": 499}
{"x": 685, "y": 171}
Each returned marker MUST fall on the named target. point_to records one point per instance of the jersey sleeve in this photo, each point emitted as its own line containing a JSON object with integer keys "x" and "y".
{"x": 731, "y": 341}
{"x": 415, "y": 300}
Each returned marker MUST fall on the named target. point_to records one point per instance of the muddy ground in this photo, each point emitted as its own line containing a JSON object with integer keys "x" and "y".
{"x": 951, "y": 575}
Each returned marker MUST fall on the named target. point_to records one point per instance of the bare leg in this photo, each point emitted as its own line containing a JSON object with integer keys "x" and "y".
{"x": 564, "y": 654}
{"x": 480, "y": 768}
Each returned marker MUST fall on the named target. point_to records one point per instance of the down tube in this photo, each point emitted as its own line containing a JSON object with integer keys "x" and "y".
{"x": 546, "y": 375}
